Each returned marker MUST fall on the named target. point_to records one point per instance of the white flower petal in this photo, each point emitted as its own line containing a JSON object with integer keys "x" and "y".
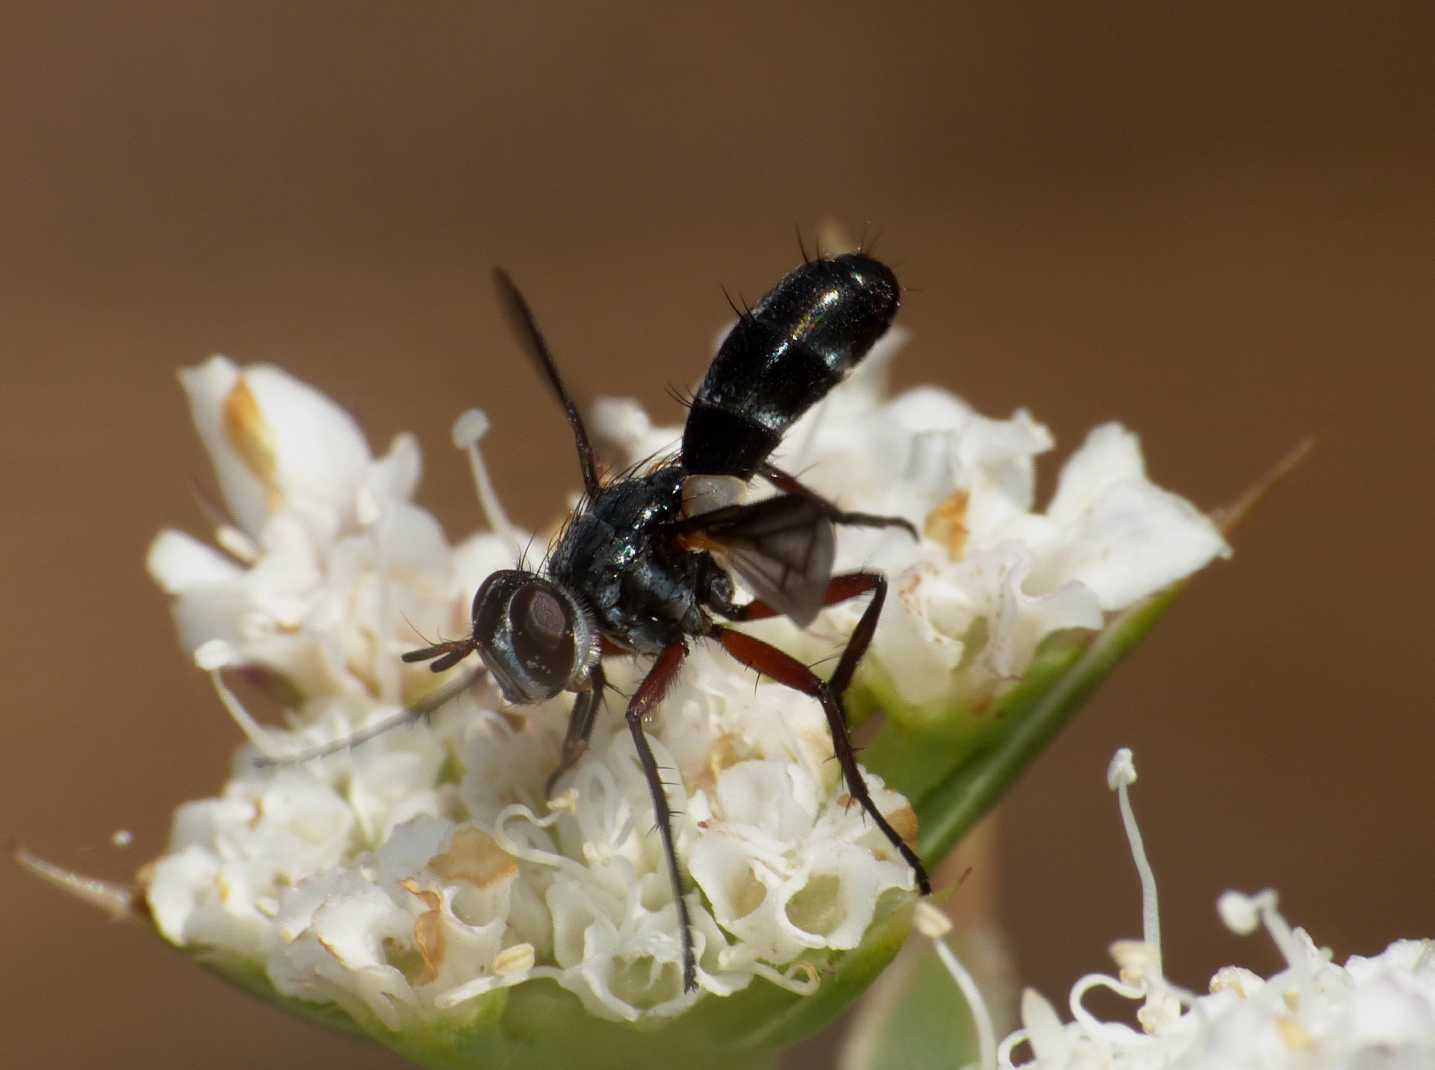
{"x": 1123, "y": 537}
{"x": 786, "y": 869}
{"x": 395, "y": 476}
{"x": 340, "y": 956}
{"x": 1110, "y": 455}
{"x": 275, "y": 441}
{"x": 179, "y": 562}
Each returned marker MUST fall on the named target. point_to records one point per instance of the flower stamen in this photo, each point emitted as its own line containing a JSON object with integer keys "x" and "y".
{"x": 1243, "y": 914}
{"x": 804, "y": 985}
{"x": 214, "y": 656}
{"x": 468, "y": 431}
{"x": 1120, "y": 775}
{"x": 933, "y": 924}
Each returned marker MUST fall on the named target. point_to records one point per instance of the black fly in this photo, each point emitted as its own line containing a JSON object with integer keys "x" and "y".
{"x": 641, "y": 568}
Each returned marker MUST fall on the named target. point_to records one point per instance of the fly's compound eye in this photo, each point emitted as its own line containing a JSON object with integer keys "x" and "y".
{"x": 542, "y": 634}
{"x": 532, "y": 635}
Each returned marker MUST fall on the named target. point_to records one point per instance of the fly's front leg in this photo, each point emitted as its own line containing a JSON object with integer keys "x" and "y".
{"x": 580, "y": 726}
{"x": 650, "y": 692}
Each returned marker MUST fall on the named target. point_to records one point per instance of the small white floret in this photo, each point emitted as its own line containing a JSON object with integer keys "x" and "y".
{"x": 1313, "y": 1015}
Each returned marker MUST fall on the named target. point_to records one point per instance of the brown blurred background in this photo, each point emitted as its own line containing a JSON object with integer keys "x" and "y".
{"x": 1217, "y": 226}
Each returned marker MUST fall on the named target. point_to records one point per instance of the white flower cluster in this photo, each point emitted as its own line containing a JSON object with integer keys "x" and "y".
{"x": 324, "y": 555}
{"x": 405, "y": 877}
{"x": 424, "y": 868}
{"x": 1312, "y": 1015}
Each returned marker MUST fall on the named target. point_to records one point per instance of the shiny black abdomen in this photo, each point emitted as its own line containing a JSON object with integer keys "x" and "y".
{"x": 797, "y": 343}
{"x": 643, "y": 588}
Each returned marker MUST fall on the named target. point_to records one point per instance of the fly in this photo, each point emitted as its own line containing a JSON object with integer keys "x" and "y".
{"x": 642, "y": 567}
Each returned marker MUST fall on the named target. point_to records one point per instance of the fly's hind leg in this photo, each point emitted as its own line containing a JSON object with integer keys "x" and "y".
{"x": 650, "y": 692}
{"x": 787, "y": 670}
{"x": 790, "y": 484}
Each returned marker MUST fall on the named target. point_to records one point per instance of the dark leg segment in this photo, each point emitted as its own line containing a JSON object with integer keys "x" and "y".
{"x": 650, "y": 692}
{"x": 580, "y": 726}
{"x": 787, "y": 670}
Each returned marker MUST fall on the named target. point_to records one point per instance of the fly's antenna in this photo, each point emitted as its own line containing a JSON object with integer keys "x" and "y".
{"x": 419, "y": 711}
{"x": 521, "y": 319}
{"x": 447, "y": 652}
{"x": 415, "y": 629}
{"x": 444, "y": 655}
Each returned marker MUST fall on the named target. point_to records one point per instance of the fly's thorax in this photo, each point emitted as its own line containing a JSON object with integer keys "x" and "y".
{"x": 620, "y": 559}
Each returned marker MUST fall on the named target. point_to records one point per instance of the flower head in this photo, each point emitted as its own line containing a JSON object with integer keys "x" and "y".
{"x": 420, "y": 880}
{"x": 426, "y": 869}
{"x": 322, "y": 552}
{"x": 1313, "y": 1013}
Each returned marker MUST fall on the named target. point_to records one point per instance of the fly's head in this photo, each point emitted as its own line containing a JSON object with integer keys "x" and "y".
{"x": 533, "y": 635}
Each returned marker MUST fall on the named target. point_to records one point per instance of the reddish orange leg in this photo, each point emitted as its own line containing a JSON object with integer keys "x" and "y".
{"x": 839, "y": 589}
{"x": 787, "y": 670}
{"x": 650, "y": 692}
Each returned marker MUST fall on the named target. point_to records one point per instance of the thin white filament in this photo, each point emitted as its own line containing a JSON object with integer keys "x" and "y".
{"x": 935, "y": 925}
{"x": 213, "y": 656}
{"x": 1121, "y": 774}
{"x": 468, "y": 430}
{"x": 981, "y": 1016}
